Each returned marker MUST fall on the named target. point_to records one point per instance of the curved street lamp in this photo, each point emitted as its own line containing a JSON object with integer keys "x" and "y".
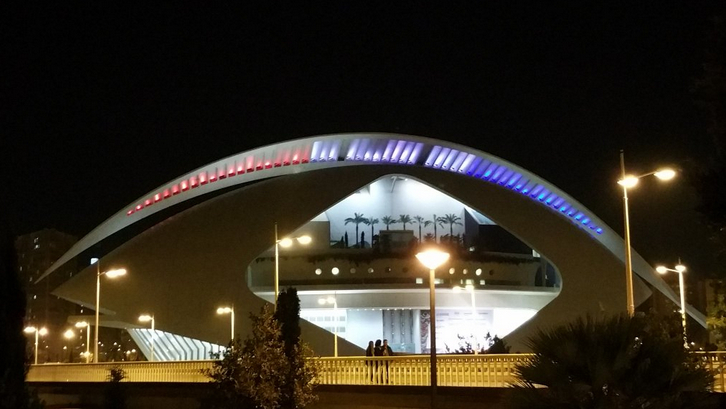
{"x": 110, "y": 274}
{"x": 150, "y": 318}
{"x": 680, "y": 269}
{"x": 228, "y": 310}
{"x": 629, "y": 182}
{"x": 432, "y": 259}
{"x": 284, "y": 242}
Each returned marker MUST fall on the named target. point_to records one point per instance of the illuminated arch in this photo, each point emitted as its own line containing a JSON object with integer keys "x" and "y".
{"x": 367, "y": 149}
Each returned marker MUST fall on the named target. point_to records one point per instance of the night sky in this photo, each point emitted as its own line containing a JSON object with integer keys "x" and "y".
{"x": 103, "y": 103}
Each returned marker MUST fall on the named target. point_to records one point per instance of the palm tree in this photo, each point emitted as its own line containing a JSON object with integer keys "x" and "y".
{"x": 405, "y": 219}
{"x": 435, "y": 221}
{"x": 356, "y": 219}
{"x": 388, "y": 221}
{"x": 611, "y": 362}
{"x": 371, "y": 221}
{"x": 451, "y": 220}
{"x": 419, "y": 220}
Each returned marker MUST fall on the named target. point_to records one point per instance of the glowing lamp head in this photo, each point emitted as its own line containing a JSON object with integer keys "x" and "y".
{"x": 305, "y": 240}
{"x": 628, "y": 181}
{"x": 43, "y": 331}
{"x": 116, "y": 273}
{"x": 81, "y": 324}
{"x": 69, "y": 334}
{"x": 224, "y": 310}
{"x": 29, "y": 330}
{"x": 665, "y": 174}
{"x": 661, "y": 269}
{"x": 286, "y": 242}
{"x": 432, "y": 258}
{"x": 145, "y": 318}
{"x": 680, "y": 268}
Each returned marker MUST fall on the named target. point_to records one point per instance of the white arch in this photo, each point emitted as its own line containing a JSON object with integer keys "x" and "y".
{"x": 366, "y": 149}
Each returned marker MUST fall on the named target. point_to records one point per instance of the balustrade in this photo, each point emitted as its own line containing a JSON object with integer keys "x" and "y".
{"x": 485, "y": 370}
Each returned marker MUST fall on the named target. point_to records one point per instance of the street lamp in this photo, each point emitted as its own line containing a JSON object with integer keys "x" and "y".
{"x": 109, "y": 274}
{"x": 285, "y": 242}
{"x": 228, "y": 310}
{"x": 87, "y": 326}
{"x": 680, "y": 269}
{"x": 147, "y": 318}
{"x": 627, "y": 182}
{"x": 470, "y": 288}
{"x": 432, "y": 259}
{"x": 334, "y": 302}
{"x": 41, "y": 331}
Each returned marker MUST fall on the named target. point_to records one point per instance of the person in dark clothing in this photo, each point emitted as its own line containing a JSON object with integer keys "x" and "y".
{"x": 369, "y": 362}
{"x": 386, "y": 351}
{"x": 378, "y": 351}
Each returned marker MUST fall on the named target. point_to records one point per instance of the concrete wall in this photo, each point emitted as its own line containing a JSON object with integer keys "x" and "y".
{"x": 189, "y": 396}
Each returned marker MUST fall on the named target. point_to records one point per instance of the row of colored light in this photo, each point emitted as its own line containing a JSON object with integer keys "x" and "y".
{"x": 469, "y": 164}
{"x": 381, "y": 150}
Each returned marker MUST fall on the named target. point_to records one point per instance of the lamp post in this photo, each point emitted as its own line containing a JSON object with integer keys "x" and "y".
{"x": 627, "y": 182}
{"x": 147, "y": 318}
{"x": 285, "y": 242}
{"x": 41, "y": 331}
{"x": 334, "y": 302}
{"x": 228, "y": 310}
{"x": 470, "y": 289}
{"x": 84, "y": 324}
{"x": 680, "y": 269}
{"x": 432, "y": 259}
{"x": 109, "y": 274}
{"x": 69, "y": 335}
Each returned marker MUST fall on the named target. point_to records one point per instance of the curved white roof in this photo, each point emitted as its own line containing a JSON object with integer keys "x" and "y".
{"x": 364, "y": 149}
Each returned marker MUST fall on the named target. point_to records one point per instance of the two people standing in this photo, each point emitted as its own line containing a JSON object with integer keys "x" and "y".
{"x": 375, "y": 367}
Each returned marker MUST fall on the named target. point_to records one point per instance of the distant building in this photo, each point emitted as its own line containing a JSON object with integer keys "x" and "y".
{"x": 37, "y": 251}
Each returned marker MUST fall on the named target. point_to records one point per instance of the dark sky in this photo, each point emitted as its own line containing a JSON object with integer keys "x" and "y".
{"x": 102, "y": 103}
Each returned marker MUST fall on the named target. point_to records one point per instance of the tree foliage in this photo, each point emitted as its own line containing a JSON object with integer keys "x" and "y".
{"x": 357, "y": 219}
{"x": 258, "y": 373}
{"x": 709, "y": 92}
{"x": 716, "y": 316}
{"x": 613, "y": 362}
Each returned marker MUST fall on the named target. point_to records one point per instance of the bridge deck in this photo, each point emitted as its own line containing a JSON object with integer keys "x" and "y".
{"x": 414, "y": 370}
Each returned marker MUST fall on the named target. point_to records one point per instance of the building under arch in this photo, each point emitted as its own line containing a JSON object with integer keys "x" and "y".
{"x": 534, "y": 256}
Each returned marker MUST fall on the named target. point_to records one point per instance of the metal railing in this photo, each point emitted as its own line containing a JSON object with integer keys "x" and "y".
{"x": 415, "y": 370}
{"x": 412, "y": 370}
